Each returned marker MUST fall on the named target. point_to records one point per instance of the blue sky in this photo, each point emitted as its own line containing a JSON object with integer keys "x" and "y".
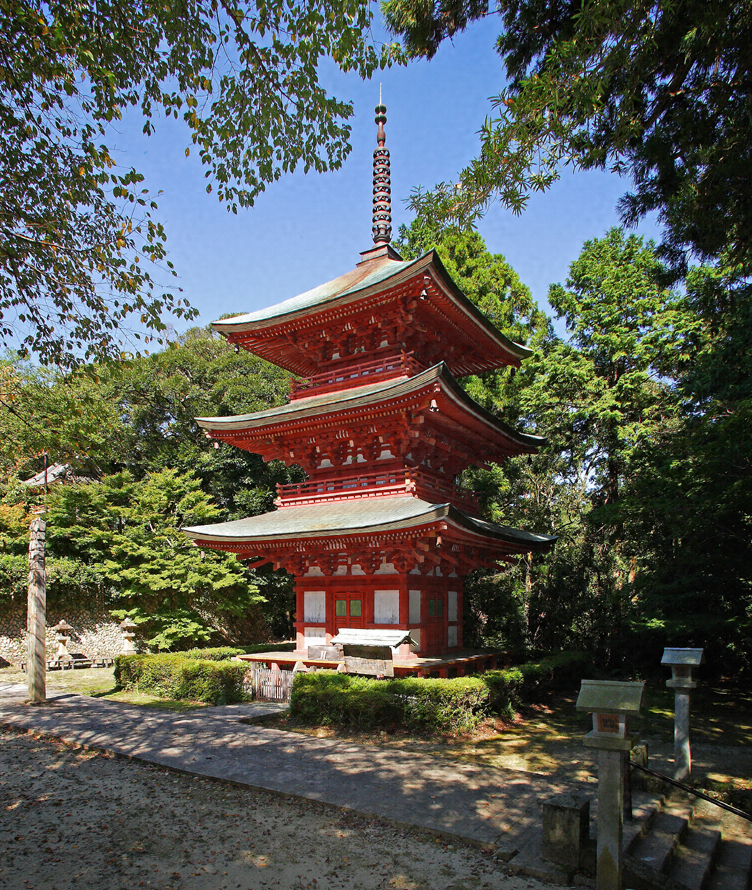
{"x": 307, "y": 229}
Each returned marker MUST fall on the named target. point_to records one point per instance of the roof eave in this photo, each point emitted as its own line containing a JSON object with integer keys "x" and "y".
{"x": 439, "y": 372}
{"x": 429, "y": 261}
{"x": 522, "y": 352}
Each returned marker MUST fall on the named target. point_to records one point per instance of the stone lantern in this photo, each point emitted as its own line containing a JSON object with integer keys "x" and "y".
{"x": 612, "y": 704}
{"x": 128, "y": 626}
{"x": 63, "y": 631}
{"x": 682, "y": 662}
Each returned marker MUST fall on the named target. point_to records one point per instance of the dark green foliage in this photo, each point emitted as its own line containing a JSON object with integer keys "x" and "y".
{"x": 225, "y": 653}
{"x": 429, "y": 705}
{"x": 327, "y": 697}
{"x": 688, "y": 498}
{"x": 596, "y": 397}
{"x": 512, "y": 687}
{"x": 131, "y": 427}
{"x": 218, "y": 653}
{"x": 656, "y": 91}
{"x": 269, "y": 647}
{"x": 179, "y": 678}
{"x": 78, "y": 233}
{"x": 153, "y": 573}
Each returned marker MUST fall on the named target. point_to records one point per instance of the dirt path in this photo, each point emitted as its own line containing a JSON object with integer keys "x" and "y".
{"x": 80, "y": 819}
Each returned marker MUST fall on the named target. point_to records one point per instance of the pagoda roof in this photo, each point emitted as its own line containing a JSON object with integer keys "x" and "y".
{"x": 455, "y": 410}
{"x": 345, "y": 519}
{"x": 363, "y": 278}
{"x": 272, "y": 332}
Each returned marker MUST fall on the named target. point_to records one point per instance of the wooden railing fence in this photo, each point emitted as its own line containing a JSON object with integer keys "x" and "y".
{"x": 267, "y": 685}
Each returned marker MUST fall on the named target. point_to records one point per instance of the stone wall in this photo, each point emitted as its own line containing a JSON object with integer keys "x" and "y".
{"x": 94, "y": 632}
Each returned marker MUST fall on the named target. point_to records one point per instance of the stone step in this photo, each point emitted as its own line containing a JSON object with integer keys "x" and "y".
{"x": 655, "y": 850}
{"x": 695, "y": 856}
{"x": 644, "y": 810}
{"x": 733, "y": 866}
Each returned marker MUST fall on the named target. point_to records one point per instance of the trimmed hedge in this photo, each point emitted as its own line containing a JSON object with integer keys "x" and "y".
{"x": 179, "y": 678}
{"x": 221, "y": 653}
{"x": 269, "y": 647}
{"x": 513, "y": 686}
{"x": 456, "y": 705}
{"x": 225, "y": 653}
{"x": 327, "y": 697}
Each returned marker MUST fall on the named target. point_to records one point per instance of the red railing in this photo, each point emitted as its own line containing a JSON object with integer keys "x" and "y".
{"x": 317, "y": 492}
{"x": 367, "y": 485}
{"x": 355, "y": 373}
{"x": 429, "y": 487}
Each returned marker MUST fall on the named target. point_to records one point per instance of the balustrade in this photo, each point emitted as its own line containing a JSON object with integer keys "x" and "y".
{"x": 356, "y": 373}
{"x": 391, "y": 482}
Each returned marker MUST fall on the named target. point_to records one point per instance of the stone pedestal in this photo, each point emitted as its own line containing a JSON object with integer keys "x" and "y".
{"x": 682, "y": 752}
{"x": 682, "y": 662}
{"x": 611, "y": 704}
{"x": 566, "y": 827}
{"x": 608, "y": 863}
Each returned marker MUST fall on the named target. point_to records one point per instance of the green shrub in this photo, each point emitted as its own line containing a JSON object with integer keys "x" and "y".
{"x": 511, "y": 687}
{"x": 269, "y": 647}
{"x": 180, "y": 678}
{"x": 220, "y": 653}
{"x": 225, "y": 653}
{"x": 435, "y": 705}
{"x": 457, "y": 705}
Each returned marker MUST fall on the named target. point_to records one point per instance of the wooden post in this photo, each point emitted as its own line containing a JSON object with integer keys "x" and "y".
{"x": 36, "y": 626}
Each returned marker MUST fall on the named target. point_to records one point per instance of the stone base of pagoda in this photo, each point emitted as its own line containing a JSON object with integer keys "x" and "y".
{"x": 429, "y": 607}
{"x": 456, "y": 664}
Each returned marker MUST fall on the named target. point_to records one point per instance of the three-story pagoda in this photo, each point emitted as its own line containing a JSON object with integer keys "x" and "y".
{"x": 380, "y": 536}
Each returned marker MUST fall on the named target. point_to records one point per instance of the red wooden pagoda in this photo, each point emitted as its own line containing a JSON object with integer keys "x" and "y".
{"x": 380, "y": 536}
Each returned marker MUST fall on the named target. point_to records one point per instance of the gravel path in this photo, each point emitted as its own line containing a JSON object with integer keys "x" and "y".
{"x": 79, "y": 819}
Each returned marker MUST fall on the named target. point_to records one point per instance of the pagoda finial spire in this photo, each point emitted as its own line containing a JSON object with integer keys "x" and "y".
{"x": 382, "y": 188}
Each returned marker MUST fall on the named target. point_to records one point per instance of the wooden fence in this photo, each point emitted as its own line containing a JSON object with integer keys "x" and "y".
{"x": 266, "y": 685}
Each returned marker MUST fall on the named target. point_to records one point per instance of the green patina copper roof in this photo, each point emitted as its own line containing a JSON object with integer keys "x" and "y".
{"x": 365, "y": 396}
{"x": 360, "y": 278}
{"x": 365, "y": 280}
{"x": 346, "y": 517}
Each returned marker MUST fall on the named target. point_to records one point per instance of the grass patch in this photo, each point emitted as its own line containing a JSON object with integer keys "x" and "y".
{"x": 82, "y": 681}
{"x": 144, "y": 700}
{"x": 546, "y": 736}
{"x": 99, "y": 683}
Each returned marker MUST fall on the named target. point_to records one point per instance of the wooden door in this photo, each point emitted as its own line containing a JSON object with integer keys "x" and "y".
{"x": 349, "y": 610}
{"x": 436, "y": 621}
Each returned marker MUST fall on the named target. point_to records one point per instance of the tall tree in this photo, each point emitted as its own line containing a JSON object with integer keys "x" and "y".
{"x": 494, "y": 287}
{"x": 661, "y": 92}
{"x": 77, "y": 235}
{"x": 689, "y": 495}
{"x": 597, "y": 397}
{"x": 625, "y": 331}
{"x": 138, "y": 418}
{"x": 127, "y": 534}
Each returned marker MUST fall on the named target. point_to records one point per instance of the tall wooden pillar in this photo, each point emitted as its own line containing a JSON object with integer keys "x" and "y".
{"x": 36, "y": 626}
